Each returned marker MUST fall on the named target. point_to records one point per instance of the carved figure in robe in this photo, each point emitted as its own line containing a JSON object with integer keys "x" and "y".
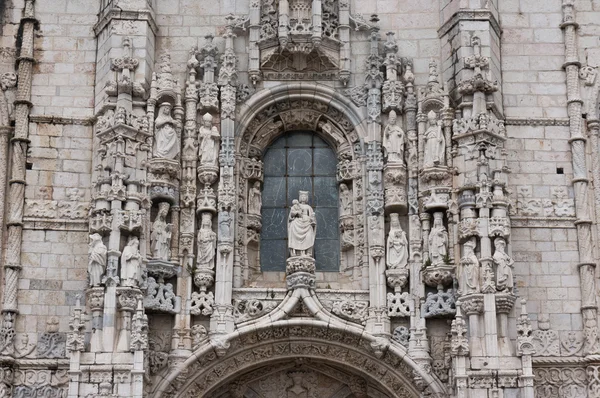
{"x": 255, "y": 199}
{"x": 166, "y": 140}
{"x": 345, "y": 200}
{"x": 397, "y": 245}
{"x": 225, "y": 226}
{"x": 504, "y": 267}
{"x": 209, "y": 141}
{"x": 438, "y": 240}
{"x": 131, "y": 263}
{"x": 97, "y": 260}
{"x": 435, "y": 143}
{"x": 160, "y": 238}
{"x": 207, "y": 242}
{"x": 468, "y": 269}
{"x": 393, "y": 140}
{"x": 302, "y": 227}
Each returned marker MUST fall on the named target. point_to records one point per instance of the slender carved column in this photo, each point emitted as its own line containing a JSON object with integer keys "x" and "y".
{"x": 587, "y": 266}
{"x": 16, "y": 190}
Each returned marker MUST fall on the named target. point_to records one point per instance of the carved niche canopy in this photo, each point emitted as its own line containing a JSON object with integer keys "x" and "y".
{"x": 299, "y": 39}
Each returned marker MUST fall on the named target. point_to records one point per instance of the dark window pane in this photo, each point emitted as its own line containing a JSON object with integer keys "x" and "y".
{"x": 274, "y": 162}
{"x": 327, "y": 255}
{"x": 325, "y": 162}
{"x": 278, "y": 143}
{"x": 327, "y": 223}
{"x": 274, "y": 223}
{"x": 318, "y": 142}
{"x": 326, "y": 192}
{"x": 299, "y": 162}
{"x": 274, "y": 192}
{"x": 299, "y": 139}
{"x": 273, "y": 254}
{"x": 296, "y": 184}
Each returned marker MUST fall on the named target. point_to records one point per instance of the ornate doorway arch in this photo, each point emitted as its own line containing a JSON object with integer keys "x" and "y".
{"x": 231, "y": 363}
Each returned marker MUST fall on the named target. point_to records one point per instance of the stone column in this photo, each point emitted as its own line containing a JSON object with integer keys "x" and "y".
{"x": 16, "y": 188}
{"x": 587, "y": 266}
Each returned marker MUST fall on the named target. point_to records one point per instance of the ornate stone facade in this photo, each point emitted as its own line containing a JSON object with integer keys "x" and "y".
{"x": 299, "y": 198}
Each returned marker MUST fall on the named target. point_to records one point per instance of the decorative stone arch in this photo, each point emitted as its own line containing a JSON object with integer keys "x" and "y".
{"x": 299, "y": 328}
{"x": 299, "y": 106}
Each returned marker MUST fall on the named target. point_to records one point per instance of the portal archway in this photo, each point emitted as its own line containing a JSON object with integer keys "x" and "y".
{"x": 231, "y": 363}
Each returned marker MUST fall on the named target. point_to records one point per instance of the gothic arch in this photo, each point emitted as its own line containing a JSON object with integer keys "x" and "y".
{"x": 299, "y": 106}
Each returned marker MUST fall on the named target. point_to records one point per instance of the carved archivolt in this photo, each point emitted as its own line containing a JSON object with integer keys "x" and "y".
{"x": 217, "y": 360}
{"x": 298, "y": 106}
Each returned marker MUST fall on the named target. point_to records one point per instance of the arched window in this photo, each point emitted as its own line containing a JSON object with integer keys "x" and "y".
{"x": 299, "y": 161}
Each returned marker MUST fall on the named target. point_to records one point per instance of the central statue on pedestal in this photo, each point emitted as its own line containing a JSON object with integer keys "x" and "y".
{"x": 302, "y": 227}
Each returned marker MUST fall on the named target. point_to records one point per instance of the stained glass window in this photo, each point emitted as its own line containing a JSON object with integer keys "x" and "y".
{"x": 299, "y": 161}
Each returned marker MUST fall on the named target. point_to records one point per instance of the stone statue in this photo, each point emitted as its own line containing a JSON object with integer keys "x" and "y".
{"x": 166, "y": 140}
{"x": 468, "y": 269}
{"x": 255, "y": 199}
{"x": 438, "y": 240}
{"x": 302, "y": 227}
{"x": 160, "y": 237}
{"x": 397, "y": 245}
{"x": 435, "y": 143}
{"x": 393, "y": 140}
{"x": 97, "y": 260}
{"x": 225, "y": 226}
{"x": 207, "y": 241}
{"x": 209, "y": 141}
{"x": 504, "y": 267}
{"x": 131, "y": 270}
{"x": 345, "y": 200}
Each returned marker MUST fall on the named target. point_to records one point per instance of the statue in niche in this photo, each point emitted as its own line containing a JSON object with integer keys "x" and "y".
{"x": 166, "y": 140}
{"x": 435, "y": 143}
{"x": 393, "y": 140}
{"x": 209, "y": 141}
{"x": 468, "y": 270}
{"x": 131, "y": 263}
{"x": 97, "y": 260}
{"x": 255, "y": 199}
{"x": 207, "y": 241}
{"x": 302, "y": 227}
{"x": 345, "y": 200}
{"x": 160, "y": 238}
{"x": 397, "y": 245}
{"x": 504, "y": 267}
{"x": 225, "y": 226}
{"x": 438, "y": 240}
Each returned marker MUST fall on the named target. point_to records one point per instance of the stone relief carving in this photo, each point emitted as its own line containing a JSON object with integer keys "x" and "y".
{"x": 504, "y": 267}
{"x": 131, "y": 268}
{"x": 202, "y": 303}
{"x": 159, "y": 296}
{"x": 435, "y": 143}
{"x": 399, "y": 304}
{"x": 245, "y": 310}
{"x": 161, "y": 234}
{"x": 52, "y": 343}
{"x": 302, "y": 226}
{"x": 166, "y": 138}
{"x": 439, "y": 304}
{"x": 438, "y": 240}
{"x": 97, "y": 260}
{"x": 209, "y": 138}
{"x": 393, "y": 140}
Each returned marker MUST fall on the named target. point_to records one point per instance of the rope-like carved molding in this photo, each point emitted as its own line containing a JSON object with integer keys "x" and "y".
{"x": 552, "y": 361}
{"x": 537, "y": 121}
{"x": 50, "y": 119}
{"x": 542, "y": 222}
{"x": 41, "y": 363}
